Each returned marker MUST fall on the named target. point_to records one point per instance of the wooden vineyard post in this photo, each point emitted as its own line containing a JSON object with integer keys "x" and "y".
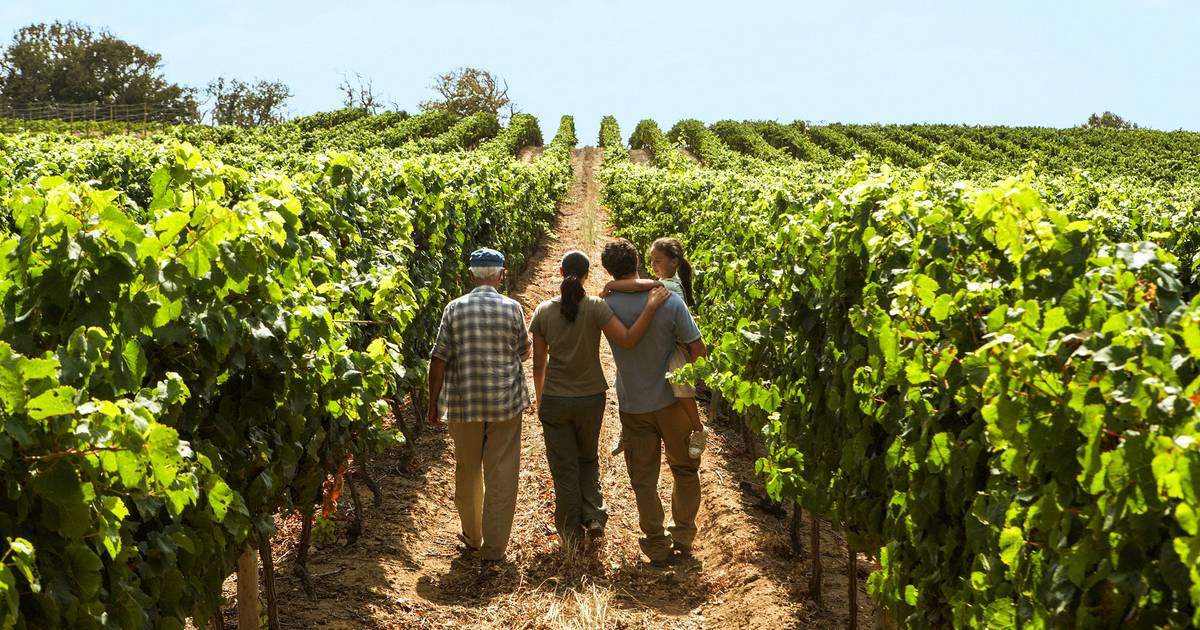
{"x": 419, "y": 410}
{"x": 247, "y": 589}
{"x": 747, "y": 434}
{"x": 301, "y": 567}
{"x": 397, "y": 408}
{"x": 268, "y": 565}
{"x": 794, "y": 533}
{"x": 814, "y": 577}
{"x": 852, "y": 580}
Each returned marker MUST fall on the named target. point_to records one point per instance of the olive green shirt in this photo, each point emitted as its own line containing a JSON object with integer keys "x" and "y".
{"x": 574, "y": 365}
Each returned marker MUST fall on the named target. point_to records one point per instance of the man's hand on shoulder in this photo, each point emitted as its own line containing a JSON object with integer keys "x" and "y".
{"x": 658, "y": 297}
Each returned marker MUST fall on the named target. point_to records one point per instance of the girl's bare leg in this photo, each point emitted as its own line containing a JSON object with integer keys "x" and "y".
{"x": 692, "y": 411}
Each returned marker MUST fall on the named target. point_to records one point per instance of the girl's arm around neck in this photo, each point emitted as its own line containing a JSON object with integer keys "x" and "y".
{"x": 632, "y": 285}
{"x": 616, "y": 332}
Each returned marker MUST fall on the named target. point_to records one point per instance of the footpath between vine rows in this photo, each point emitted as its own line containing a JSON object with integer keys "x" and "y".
{"x": 405, "y": 572}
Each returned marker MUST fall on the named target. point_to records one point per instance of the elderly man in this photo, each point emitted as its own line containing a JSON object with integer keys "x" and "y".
{"x": 651, "y": 418}
{"x": 480, "y": 346}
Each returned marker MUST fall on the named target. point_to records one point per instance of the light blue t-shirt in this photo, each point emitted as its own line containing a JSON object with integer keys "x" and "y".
{"x": 642, "y": 384}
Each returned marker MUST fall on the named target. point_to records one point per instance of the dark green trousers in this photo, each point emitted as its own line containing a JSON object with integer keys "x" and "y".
{"x": 571, "y": 428}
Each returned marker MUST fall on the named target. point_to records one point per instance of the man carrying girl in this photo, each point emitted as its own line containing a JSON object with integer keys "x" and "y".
{"x": 675, "y": 274}
{"x": 651, "y": 418}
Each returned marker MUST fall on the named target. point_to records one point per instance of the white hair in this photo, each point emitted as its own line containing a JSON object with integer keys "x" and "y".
{"x": 486, "y": 273}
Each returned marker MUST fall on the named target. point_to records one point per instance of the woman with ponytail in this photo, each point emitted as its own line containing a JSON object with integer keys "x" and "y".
{"x": 570, "y": 387}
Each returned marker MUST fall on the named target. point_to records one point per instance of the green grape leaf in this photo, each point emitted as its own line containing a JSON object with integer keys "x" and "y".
{"x": 59, "y": 484}
{"x": 941, "y": 307}
{"x": 939, "y": 452}
{"x": 1187, "y": 518}
{"x": 1011, "y": 542}
{"x": 84, "y": 566}
{"x": 58, "y": 401}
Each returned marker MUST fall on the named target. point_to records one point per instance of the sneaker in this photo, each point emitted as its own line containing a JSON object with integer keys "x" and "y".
{"x": 620, "y": 446}
{"x": 684, "y": 551}
{"x": 594, "y": 528}
{"x": 696, "y": 442}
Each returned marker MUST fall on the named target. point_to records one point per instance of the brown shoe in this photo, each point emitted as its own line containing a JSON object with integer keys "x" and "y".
{"x": 465, "y": 548}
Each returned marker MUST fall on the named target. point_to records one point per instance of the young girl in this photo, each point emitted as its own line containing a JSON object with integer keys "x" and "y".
{"x": 674, "y": 273}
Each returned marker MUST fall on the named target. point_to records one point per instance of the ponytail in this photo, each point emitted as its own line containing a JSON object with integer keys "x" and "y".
{"x": 685, "y": 278}
{"x": 572, "y": 294}
{"x": 575, "y": 266}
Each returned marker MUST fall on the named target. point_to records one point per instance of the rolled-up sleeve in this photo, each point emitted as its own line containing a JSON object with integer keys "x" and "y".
{"x": 443, "y": 348}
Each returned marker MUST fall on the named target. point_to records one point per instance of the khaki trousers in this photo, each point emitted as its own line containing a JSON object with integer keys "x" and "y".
{"x": 487, "y": 458}
{"x": 646, "y": 434}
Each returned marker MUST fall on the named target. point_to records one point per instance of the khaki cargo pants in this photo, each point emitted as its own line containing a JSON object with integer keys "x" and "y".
{"x": 646, "y": 434}
{"x": 487, "y": 458}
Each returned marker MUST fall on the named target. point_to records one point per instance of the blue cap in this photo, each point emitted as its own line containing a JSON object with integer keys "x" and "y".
{"x": 486, "y": 257}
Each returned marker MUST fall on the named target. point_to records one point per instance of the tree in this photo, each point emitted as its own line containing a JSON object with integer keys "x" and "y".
{"x": 1109, "y": 120}
{"x": 359, "y": 93}
{"x": 242, "y": 104}
{"x": 69, "y": 63}
{"x": 466, "y": 91}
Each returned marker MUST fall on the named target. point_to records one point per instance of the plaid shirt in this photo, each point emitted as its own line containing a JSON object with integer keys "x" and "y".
{"x": 482, "y": 339}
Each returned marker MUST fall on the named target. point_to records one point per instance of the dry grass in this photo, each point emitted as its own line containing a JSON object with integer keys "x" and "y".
{"x": 591, "y": 226}
{"x": 580, "y": 609}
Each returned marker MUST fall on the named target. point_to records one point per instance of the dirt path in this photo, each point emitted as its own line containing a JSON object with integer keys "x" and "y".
{"x": 405, "y": 572}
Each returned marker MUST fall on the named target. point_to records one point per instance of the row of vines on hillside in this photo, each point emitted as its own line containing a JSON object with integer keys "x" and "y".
{"x": 196, "y": 345}
{"x": 993, "y": 387}
{"x": 1152, "y": 156}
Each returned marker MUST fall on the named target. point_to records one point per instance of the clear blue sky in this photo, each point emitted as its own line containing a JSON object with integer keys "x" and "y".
{"x": 1015, "y": 62}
